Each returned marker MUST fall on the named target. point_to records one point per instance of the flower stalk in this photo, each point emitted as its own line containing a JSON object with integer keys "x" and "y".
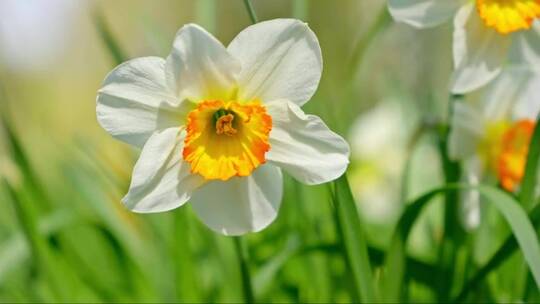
{"x": 240, "y": 248}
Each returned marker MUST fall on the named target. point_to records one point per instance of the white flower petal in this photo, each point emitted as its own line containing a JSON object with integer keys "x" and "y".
{"x": 525, "y": 49}
{"x": 161, "y": 180}
{"x": 479, "y": 51}
{"x": 528, "y": 101}
{"x": 134, "y": 101}
{"x": 502, "y": 95}
{"x": 240, "y": 204}
{"x": 304, "y": 146}
{"x": 280, "y": 58}
{"x": 467, "y": 128}
{"x": 423, "y": 13}
{"x": 199, "y": 66}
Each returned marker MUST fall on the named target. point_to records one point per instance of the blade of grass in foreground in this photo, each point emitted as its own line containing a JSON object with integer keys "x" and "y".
{"x": 510, "y": 209}
{"x": 528, "y": 185}
{"x": 354, "y": 243}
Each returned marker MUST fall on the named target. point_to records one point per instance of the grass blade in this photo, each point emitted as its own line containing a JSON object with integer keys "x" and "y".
{"x": 354, "y": 243}
{"x": 509, "y": 246}
{"x": 251, "y": 11}
{"x": 512, "y": 212}
{"x": 528, "y": 185}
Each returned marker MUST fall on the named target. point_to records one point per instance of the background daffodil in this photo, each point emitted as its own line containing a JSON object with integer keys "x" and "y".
{"x": 488, "y": 34}
{"x": 492, "y": 136}
{"x": 217, "y": 124}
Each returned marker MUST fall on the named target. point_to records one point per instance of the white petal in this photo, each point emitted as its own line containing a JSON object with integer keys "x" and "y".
{"x": 241, "y": 204}
{"x": 528, "y": 101}
{"x": 304, "y": 146}
{"x": 479, "y": 51}
{"x": 199, "y": 66}
{"x": 280, "y": 58}
{"x": 134, "y": 101}
{"x": 502, "y": 95}
{"x": 161, "y": 180}
{"x": 467, "y": 128}
{"x": 526, "y": 48}
{"x": 423, "y": 13}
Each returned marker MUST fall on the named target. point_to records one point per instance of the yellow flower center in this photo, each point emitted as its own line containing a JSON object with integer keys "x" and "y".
{"x": 226, "y": 139}
{"x": 514, "y": 151}
{"x": 507, "y": 16}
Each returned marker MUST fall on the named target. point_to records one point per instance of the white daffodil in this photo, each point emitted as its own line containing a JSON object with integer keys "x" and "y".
{"x": 492, "y": 137}
{"x": 217, "y": 124}
{"x": 487, "y": 34}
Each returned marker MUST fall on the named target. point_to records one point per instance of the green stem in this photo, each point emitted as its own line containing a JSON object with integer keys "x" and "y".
{"x": 251, "y": 11}
{"x": 452, "y": 231}
{"x": 246, "y": 277}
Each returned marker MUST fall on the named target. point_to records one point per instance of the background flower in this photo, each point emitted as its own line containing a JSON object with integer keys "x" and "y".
{"x": 484, "y": 38}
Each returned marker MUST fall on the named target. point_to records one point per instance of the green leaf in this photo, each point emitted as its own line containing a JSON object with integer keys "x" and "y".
{"x": 353, "y": 239}
{"x": 512, "y": 212}
{"x": 506, "y": 250}
{"x": 528, "y": 185}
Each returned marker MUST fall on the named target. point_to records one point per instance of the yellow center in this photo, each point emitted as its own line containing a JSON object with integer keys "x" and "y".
{"x": 226, "y": 139}
{"x": 507, "y": 16}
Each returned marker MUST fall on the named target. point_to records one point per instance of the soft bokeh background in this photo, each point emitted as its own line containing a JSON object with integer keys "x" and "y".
{"x": 65, "y": 176}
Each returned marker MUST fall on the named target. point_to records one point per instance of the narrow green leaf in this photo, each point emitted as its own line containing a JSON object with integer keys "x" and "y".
{"x": 251, "y": 11}
{"x": 19, "y": 155}
{"x": 509, "y": 246}
{"x": 529, "y": 183}
{"x": 353, "y": 239}
{"x": 512, "y": 212}
{"x": 115, "y": 51}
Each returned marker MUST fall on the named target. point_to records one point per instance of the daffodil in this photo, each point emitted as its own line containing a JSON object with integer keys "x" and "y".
{"x": 488, "y": 34}
{"x": 217, "y": 124}
{"x": 492, "y": 136}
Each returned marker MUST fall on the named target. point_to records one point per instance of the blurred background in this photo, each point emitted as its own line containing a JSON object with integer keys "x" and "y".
{"x": 64, "y": 234}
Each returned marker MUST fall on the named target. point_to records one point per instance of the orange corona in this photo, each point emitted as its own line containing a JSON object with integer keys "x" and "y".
{"x": 226, "y": 139}
{"x": 507, "y": 16}
{"x": 513, "y": 154}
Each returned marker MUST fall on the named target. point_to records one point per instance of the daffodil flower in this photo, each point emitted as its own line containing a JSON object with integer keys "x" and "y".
{"x": 488, "y": 34}
{"x": 218, "y": 124}
{"x": 492, "y": 136}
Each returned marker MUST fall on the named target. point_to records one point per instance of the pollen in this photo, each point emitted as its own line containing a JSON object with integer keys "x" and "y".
{"x": 226, "y": 139}
{"x": 513, "y": 154}
{"x": 507, "y": 16}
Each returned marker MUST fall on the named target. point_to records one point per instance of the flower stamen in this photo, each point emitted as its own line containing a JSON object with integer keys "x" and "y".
{"x": 224, "y": 125}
